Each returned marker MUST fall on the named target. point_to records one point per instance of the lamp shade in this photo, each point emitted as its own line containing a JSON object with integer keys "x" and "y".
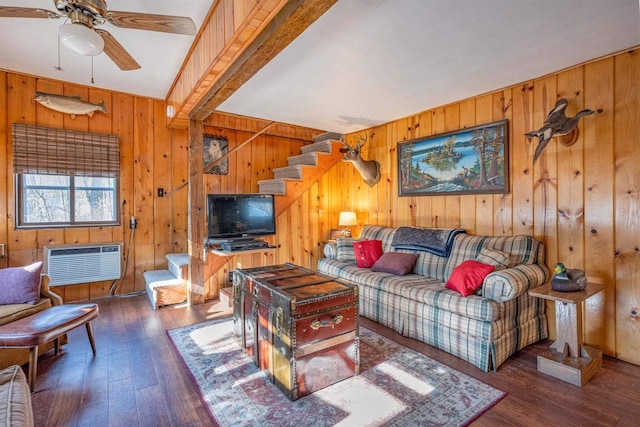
{"x": 81, "y": 39}
{"x": 347, "y": 218}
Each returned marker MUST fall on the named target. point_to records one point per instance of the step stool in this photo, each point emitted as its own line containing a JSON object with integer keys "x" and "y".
{"x": 166, "y": 287}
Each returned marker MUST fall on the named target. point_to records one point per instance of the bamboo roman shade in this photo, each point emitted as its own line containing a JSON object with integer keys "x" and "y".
{"x": 48, "y": 151}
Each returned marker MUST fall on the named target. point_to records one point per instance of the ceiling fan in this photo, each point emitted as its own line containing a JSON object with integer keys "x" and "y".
{"x": 82, "y": 36}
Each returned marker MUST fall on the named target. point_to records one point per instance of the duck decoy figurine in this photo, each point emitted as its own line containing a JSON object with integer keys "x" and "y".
{"x": 557, "y": 124}
{"x": 564, "y": 280}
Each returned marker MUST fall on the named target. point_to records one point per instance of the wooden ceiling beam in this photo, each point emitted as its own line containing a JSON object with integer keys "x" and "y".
{"x": 291, "y": 21}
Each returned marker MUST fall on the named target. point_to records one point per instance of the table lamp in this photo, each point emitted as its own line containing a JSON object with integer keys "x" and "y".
{"x": 347, "y": 219}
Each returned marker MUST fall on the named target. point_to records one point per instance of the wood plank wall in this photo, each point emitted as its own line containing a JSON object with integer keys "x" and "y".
{"x": 247, "y": 166}
{"x": 146, "y": 149}
{"x": 152, "y": 157}
{"x": 583, "y": 201}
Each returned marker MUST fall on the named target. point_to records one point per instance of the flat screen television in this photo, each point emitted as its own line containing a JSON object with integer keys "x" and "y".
{"x": 239, "y": 216}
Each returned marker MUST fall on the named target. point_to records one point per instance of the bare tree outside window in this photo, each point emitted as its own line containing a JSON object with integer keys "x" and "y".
{"x": 64, "y": 200}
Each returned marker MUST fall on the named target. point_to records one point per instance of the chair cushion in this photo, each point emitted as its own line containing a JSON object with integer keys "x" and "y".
{"x": 20, "y": 285}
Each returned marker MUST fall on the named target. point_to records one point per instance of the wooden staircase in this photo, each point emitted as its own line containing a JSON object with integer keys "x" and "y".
{"x": 303, "y": 170}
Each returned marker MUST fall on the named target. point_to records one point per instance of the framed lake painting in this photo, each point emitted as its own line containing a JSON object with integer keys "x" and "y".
{"x": 468, "y": 161}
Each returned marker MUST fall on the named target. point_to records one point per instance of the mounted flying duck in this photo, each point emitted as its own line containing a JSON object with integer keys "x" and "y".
{"x": 557, "y": 124}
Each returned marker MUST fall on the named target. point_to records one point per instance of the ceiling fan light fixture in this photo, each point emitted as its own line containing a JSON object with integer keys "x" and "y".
{"x": 81, "y": 39}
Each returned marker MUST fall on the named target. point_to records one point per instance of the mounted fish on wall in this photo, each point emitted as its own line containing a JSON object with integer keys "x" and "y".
{"x": 69, "y": 104}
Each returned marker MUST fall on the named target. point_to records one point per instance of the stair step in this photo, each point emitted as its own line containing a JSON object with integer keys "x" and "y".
{"x": 272, "y": 186}
{"x": 328, "y": 135}
{"x": 317, "y": 147}
{"x": 309, "y": 159}
{"x": 178, "y": 264}
{"x": 290, "y": 172}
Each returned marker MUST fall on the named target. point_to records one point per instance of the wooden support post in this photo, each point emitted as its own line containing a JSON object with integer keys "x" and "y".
{"x": 197, "y": 214}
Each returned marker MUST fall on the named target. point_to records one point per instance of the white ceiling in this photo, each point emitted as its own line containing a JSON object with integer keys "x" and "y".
{"x": 31, "y": 46}
{"x": 363, "y": 63}
{"x": 366, "y": 62}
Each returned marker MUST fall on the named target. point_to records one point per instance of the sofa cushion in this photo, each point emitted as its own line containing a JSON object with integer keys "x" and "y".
{"x": 468, "y": 276}
{"x": 344, "y": 250}
{"x": 15, "y": 398}
{"x": 378, "y": 232}
{"x": 395, "y": 263}
{"x": 494, "y": 257}
{"x": 367, "y": 252}
{"x": 521, "y": 249}
{"x": 422, "y": 289}
{"x": 20, "y": 285}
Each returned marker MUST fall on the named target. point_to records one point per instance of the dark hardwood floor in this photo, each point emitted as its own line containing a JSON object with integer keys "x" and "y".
{"x": 137, "y": 379}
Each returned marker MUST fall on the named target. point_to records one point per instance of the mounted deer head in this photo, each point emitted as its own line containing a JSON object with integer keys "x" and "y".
{"x": 369, "y": 169}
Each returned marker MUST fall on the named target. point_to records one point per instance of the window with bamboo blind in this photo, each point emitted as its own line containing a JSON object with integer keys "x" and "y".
{"x": 65, "y": 178}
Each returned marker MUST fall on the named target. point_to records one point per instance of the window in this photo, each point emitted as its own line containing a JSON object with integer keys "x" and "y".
{"x": 50, "y": 200}
{"x": 65, "y": 178}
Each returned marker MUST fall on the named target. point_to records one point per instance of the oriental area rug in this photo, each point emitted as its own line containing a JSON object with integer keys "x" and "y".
{"x": 396, "y": 386}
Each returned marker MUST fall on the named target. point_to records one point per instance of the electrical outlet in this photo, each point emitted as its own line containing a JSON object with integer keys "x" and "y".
{"x": 230, "y": 276}
{"x": 160, "y": 192}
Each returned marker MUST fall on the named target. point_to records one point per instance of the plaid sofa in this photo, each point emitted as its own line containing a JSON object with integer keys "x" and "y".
{"x": 484, "y": 329}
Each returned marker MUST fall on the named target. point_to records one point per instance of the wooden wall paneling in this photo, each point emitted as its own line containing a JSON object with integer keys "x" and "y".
{"x": 521, "y": 154}
{"x": 228, "y": 183}
{"x": 598, "y": 204}
{"x": 314, "y": 230}
{"x": 245, "y": 167}
{"x": 378, "y": 207}
{"x": 284, "y": 246}
{"x": 627, "y": 204}
{"x": 21, "y": 108}
{"x": 197, "y": 215}
{"x": 143, "y": 172}
{"x": 5, "y": 136}
{"x": 53, "y": 119}
{"x": 468, "y": 202}
{"x": 306, "y": 232}
{"x": 258, "y": 162}
{"x": 324, "y": 197}
{"x": 180, "y": 174}
{"x": 452, "y": 203}
{"x": 503, "y": 203}
{"x": 122, "y": 126}
{"x": 484, "y": 202}
{"x": 545, "y": 182}
{"x": 295, "y": 232}
{"x": 163, "y": 218}
{"x": 571, "y": 175}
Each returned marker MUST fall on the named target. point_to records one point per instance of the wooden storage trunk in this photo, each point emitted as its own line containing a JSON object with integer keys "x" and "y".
{"x": 300, "y": 326}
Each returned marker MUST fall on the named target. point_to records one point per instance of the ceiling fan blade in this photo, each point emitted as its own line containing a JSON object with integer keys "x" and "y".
{"x": 116, "y": 52}
{"x": 26, "y": 12}
{"x": 151, "y": 22}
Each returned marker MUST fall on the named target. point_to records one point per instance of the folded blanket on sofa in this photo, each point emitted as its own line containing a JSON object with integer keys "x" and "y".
{"x": 437, "y": 241}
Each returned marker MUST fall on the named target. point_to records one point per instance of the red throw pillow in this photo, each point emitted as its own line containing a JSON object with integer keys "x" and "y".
{"x": 468, "y": 276}
{"x": 367, "y": 252}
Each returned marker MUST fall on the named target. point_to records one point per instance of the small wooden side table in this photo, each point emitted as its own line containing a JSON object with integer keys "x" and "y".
{"x": 568, "y": 358}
